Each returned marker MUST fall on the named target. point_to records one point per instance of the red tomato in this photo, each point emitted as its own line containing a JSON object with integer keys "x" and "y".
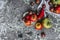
{"x": 43, "y": 34}
{"x": 57, "y": 9}
{"x": 37, "y": 1}
{"x": 41, "y": 14}
{"x": 33, "y": 17}
{"x": 28, "y": 17}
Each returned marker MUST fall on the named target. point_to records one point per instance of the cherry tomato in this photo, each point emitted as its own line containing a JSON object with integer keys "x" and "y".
{"x": 27, "y": 22}
{"x": 57, "y": 9}
{"x": 41, "y": 14}
{"x": 38, "y": 26}
{"x": 33, "y": 17}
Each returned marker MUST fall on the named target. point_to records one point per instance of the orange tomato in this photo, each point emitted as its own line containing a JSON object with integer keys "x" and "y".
{"x": 38, "y": 26}
{"x": 33, "y": 17}
{"x": 57, "y": 9}
{"x": 27, "y": 22}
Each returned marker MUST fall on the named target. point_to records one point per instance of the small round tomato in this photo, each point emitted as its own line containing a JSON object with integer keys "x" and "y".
{"x": 28, "y": 17}
{"x": 43, "y": 34}
{"x": 32, "y": 3}
{"x": 38, "y": 26}
{"x": 57, "y": 9}
{"x": 37, "y": 1}
{"x": 30, "y": 12}
{"x": 27, "y": 22}
{"x": 33, "y": 17}
{"x": 47, "y": 23}
{"x": 43, "y": 6}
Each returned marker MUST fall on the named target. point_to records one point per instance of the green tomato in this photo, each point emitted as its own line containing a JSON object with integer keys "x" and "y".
{"x": 47, "y": 23}
{"x": 56, "y": 2}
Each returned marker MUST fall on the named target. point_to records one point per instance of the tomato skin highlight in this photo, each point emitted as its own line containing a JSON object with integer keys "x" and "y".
{"x": 41, "y": 14}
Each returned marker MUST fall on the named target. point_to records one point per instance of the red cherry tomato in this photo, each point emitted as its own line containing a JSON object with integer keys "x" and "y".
{"x": 43, "y": 34}
{"x": 37, "y": 1}
{"x": 33, "y": 17}
{"x": 41, "y": 14}
{"x": 38, "y": 26}
{"x": 28, "y": 17}
{"x": 57, "y": 9}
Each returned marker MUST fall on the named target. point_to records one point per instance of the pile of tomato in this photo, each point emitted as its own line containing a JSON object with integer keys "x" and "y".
{"x": 39, "y": 19}
{"x": 55, "y": 6}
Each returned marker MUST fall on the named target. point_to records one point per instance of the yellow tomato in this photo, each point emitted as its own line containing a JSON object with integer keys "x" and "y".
{"x": 38, "y": 26}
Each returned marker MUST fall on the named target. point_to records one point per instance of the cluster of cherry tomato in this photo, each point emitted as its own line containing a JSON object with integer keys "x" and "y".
{"x": 37, "y": 18}
{"x": 55, "y": 6}
{"x": 33, "y": 17}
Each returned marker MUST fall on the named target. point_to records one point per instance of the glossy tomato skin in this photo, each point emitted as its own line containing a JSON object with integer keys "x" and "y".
{"x": 41, "y": 14}
{"x": 43, "y": 34}
{"x": 38, "y": 26}
{"x": 57, "y": 9}
{"x": 47, "y": 23}
{"x": 33, "y": 17}
{"x": 28, "y": 17}
{"x": 27, "y": 22}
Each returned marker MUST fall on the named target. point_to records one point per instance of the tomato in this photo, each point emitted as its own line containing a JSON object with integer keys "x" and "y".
{"x": 33, "y": 17}
{"x": 41, "y": 14}
{"x": 47, "y": 23}
{"x": 43, "y": 6}
{"x": 28, "y": 17}
{"x": 37, "y": 1}
{"x": 57, "y": 9}
{"x": 27, "y": 22}
{"x": 52, "y": 9}
{"x": 43, "y": 34}
{"x": 38, "y": 26}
